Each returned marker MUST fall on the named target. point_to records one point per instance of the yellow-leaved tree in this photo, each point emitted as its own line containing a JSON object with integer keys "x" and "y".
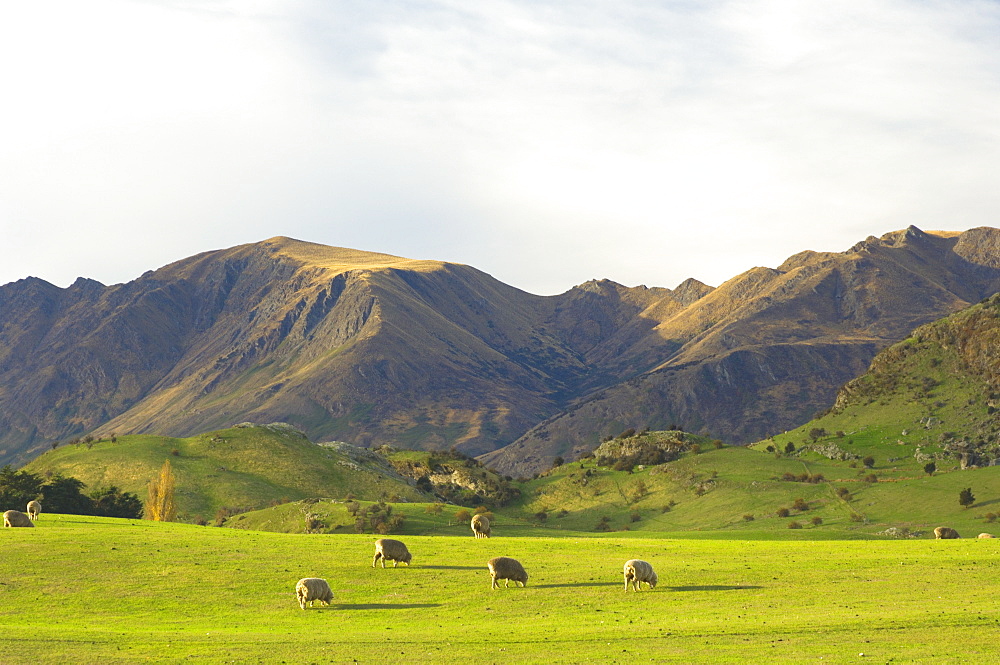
{"x": 160, "y": 505}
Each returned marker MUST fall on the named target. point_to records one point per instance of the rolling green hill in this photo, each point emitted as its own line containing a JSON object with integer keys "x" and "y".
{"x": 240, "y": 468}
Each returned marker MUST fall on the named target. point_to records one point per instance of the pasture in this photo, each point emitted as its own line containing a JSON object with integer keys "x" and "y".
{"x": 100, "y": 590}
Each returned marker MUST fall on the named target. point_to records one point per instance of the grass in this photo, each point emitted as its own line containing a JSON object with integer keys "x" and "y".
{"x": 246, "y": 467}
{"x": 87, "y": 590}
{"x": 715, "y": 491}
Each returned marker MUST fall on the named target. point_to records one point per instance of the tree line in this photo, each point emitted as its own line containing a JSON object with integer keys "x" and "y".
{"x": 63, "y": 494}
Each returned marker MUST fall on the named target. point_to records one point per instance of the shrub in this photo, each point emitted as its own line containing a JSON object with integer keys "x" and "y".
{"x": 541, "y": 516}
{"x": 748, "y": 518}
{"x": 844, "y": 493}
{"x": 783, "y": 512}
{"x": 794, "y": 525}
{"x": 871, "y": 478}
{"x": 868, "y": 461}
{"x": 816, "y": 521}
{"x": 800, "y": 505}
{"x": 604, "y": 524}
{"x": 789, "y": 447}
{"x": 462, "y": 515}
{"x": 817, "y": 433}
{"x": 112, "y": 502}
{"x": 635, "y": 516}
{"x": 990, "y": 517}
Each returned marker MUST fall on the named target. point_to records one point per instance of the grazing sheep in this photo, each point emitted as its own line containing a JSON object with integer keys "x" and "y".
{"x": 638, "y": 571}
{"x": 309, "y": 589}
{"x": 16, "y": 518}
{"x": 945, "y": 533}
{"x": 481, "y": 526}
{"x": 392, "y": 550}
{"x": 507, "y": 569}
{"x": 33, "y": 509}
{"x": 986, "y": 535}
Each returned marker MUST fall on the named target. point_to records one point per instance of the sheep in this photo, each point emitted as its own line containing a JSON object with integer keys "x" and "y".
{"x": 34, "y": 508}
{"x": 945, "y": 533}
{"x": 16, "y": 518}
{"x": 392, "y": 550}
{"x": 986, "y": 535}
{"x": 507, "y": 569}
{"x": 311, "y": 589}
{"x": 481, "y": 526}
{"x": 636, "y": 572}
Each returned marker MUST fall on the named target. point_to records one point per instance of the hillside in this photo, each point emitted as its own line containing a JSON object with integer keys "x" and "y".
{"x": 768, "y": 349}
{"x": 931, "y": 398}
{"x": 373, "y": 349}
{"x": 232, "y": 470}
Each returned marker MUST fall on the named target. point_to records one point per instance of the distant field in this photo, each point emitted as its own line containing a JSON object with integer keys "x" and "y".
{"x": 99, "y": 590}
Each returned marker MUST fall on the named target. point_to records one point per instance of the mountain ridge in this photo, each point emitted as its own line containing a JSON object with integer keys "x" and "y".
{"x": 372, "y": 348}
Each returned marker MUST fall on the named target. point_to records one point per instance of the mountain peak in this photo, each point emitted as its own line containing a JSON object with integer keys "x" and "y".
{"x": 341, "y": 259}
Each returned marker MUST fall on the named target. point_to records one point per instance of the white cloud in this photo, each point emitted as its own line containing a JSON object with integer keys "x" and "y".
{"x": 542, "y": 142}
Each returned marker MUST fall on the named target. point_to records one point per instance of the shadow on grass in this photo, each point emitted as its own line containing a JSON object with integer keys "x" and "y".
{"x": 575, "y": 584}
{"x": 714, "y": 587}
{"x": 379, "y": 606}
{"x": 483, "y": 567}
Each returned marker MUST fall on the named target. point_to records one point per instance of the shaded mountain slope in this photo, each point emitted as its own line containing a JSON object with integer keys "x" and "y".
{"x": 370, "y": 348}
{"x": 769, "y": 348}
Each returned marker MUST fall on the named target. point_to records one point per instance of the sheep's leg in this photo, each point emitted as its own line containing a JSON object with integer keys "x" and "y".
{"x": 394, "y": 562}
{"x": 375, "y": 560}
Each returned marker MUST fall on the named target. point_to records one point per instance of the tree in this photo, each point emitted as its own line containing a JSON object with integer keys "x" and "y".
{"x": 816, "y": 433}
{"x": 557, "y": 462}
{"x": 965, "y": 497}
{"x": 930, "y": 468}
{"x": 160, "y": 506}
{"x": 869, "y": 462}
{"x": 61, "y": 494}
{"x": 112, "y": 502}
{"x": 17, "y": 488}
{"x": 789, "y": 447}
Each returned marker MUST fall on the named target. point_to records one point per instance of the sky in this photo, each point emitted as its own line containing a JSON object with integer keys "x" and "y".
{"x": 544, "y": 142}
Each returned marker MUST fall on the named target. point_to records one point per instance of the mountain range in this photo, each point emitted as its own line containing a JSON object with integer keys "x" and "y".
{"x": 370, "y": 348}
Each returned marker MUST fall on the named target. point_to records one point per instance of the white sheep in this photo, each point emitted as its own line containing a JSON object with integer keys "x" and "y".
{"x": 310, "y": 589}
{"x": 481, "y": 526}
{"x": 507, "y": 569}
{"x": 16, "y": 518}
{"x": 34, "y": 508}
{"x": 986, "y": 535}
{"x": 945, "y": 533}
{"x": 392, "y": 550}
{"x": 638, "y": 571}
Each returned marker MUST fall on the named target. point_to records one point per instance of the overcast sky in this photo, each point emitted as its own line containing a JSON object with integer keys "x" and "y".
{"x": 544, "y": 142}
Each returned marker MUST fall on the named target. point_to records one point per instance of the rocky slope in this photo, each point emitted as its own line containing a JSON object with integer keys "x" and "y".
{"x": 370, "y": 349}
{"x": 769, "y": 348}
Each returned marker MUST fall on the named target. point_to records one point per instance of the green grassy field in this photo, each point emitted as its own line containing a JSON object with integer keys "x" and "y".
{"x": 100, "y": 590}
